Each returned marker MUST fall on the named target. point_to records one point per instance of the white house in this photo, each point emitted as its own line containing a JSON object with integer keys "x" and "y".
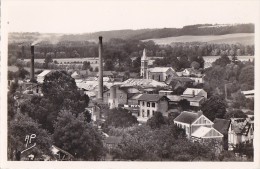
{"x": 192, "y": 92}
{"x": 240, "y": 130}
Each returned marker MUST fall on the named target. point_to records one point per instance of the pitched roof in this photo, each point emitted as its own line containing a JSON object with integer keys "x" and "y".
{"x": 142, "y": 83}
{"x": 203, "y": 132}
{"x": 44, "y": 73}
{"x": 221, "y": 125}
{"x": 187, "y": 117}
{"x": 189, "y": 91}
{"x": 151, "y": 97}
{"x": 159, "y": 69}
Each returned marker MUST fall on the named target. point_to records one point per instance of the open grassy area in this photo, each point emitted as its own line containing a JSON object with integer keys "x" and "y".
{"x": 243, "y": 38}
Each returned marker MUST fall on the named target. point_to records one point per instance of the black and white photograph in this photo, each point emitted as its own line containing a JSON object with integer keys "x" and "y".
{"x": 143, "y": 82}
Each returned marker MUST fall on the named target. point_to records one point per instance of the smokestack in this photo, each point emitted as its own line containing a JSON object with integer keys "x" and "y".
{"x": 100, "y": 69}
{"x": 32, "y": 63}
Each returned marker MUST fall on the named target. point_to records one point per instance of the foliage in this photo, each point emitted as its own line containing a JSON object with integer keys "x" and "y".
{"x": 60, "y": 93}
{"x": 222, "y": 61}
{"x": 245, "y": 149}
{"x": 119, "y": 117}
{"x": 184, "y": 104}
{"x": 246, "y": 77}
{"x": 77, "y": 137}
{"x": 22, "y": 125}
{"x": 214, "y": 107}
{"x": 165, "y": 143}
{"x": 195, "y": 65}
{"x": 156, "y": 121}
{"x": 235, "y": 114}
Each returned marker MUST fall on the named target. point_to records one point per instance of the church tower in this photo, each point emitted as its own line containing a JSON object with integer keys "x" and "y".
{"x": 144, "y": 66}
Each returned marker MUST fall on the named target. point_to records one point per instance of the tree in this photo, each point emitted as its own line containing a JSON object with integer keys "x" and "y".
{"x": 222, "y": 61}
{"x": 77, "y": 137}
{"x": 184, "y": 104}
{"x": 246, "y": 77}
{"x": 47, "y": 60}
{"x": 22, "y": 125}
{"x": 214, "y": 107}
{"x": 195, "y": 65}
{"x": 60, "y": 93}
{"x": 235, "y": 114}
{"x": 156, "y": 121}
{"x": 119, "y": 117}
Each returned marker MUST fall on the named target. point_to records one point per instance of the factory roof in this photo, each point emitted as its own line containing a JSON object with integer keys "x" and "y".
{"x": 44, "y": 73}
{"x": 142, "y": 83}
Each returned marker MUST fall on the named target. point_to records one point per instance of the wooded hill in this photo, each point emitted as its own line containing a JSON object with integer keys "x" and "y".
{"x": 141, "y": 34}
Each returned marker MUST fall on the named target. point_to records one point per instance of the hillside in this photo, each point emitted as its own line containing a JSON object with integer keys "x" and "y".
{"x": 242, "y": 38}
{"x": 141, "y": 34}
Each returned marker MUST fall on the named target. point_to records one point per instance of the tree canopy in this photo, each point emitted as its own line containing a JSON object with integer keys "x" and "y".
{"x": 214, "y": 107}
{"x": 74, "y": 135}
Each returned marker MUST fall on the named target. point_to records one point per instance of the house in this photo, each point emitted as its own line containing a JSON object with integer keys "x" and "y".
{"x": 150, "y": 103}
{"x": 249, "y": 93}
{"x": 115, "y": 96}
{"x": 222, "y": 125}
{"x": 240, "y": 130}
{"x": 165, "y": 92}
{"x": 191, "y": 121}
{"x": 191, "y": 72}
{"x": 161, "y": 74}
{"x": 41, "y": 76}
{"x": 176, "y": 82}
{"x": 61, "y": 155}
{"x": 192, "y": 92}
{"x": 94, "y": 110}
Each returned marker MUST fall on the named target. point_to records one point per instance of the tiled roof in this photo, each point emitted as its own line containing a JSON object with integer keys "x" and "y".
{"x": 187, "y": 117}
{"x": 221, "y": 125}
{"x": 150, "y": 97}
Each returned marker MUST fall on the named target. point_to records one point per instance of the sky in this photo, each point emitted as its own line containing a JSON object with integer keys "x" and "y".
{"x": 91, "y": 16}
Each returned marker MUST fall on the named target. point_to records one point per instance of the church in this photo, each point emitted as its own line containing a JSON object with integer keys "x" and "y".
{"x": 160, "y": 74}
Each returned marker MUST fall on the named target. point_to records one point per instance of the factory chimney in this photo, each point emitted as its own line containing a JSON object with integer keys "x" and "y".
{"x": 32, "y": 64}
{"x": 100, "y": 69}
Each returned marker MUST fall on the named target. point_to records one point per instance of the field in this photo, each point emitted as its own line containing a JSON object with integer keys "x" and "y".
{"x": 243, "y": 38}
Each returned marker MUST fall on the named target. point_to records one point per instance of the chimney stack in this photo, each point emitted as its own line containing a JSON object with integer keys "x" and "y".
{"x": 100, "y": 70}
{"x": 32, "y": 63}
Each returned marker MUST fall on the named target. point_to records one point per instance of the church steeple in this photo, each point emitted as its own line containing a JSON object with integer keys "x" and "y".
{"x": 144, "y": 55}
{"x": 144, "y": 65}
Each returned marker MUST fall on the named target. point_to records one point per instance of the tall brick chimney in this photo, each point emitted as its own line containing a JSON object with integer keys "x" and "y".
{"x": 100, "y": 70}
{"x": 32, "y": 64}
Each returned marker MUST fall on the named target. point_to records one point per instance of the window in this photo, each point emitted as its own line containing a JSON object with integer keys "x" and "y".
{"x": 148, "y": 113}
{"x": 153, "y": 112}
{"x": 153, "y": 77}
{"x": 148, "y": 104}
{"x": 143, "y": 103}
{"x": 159, "y": 78}
{"x": 153, "y": 104}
